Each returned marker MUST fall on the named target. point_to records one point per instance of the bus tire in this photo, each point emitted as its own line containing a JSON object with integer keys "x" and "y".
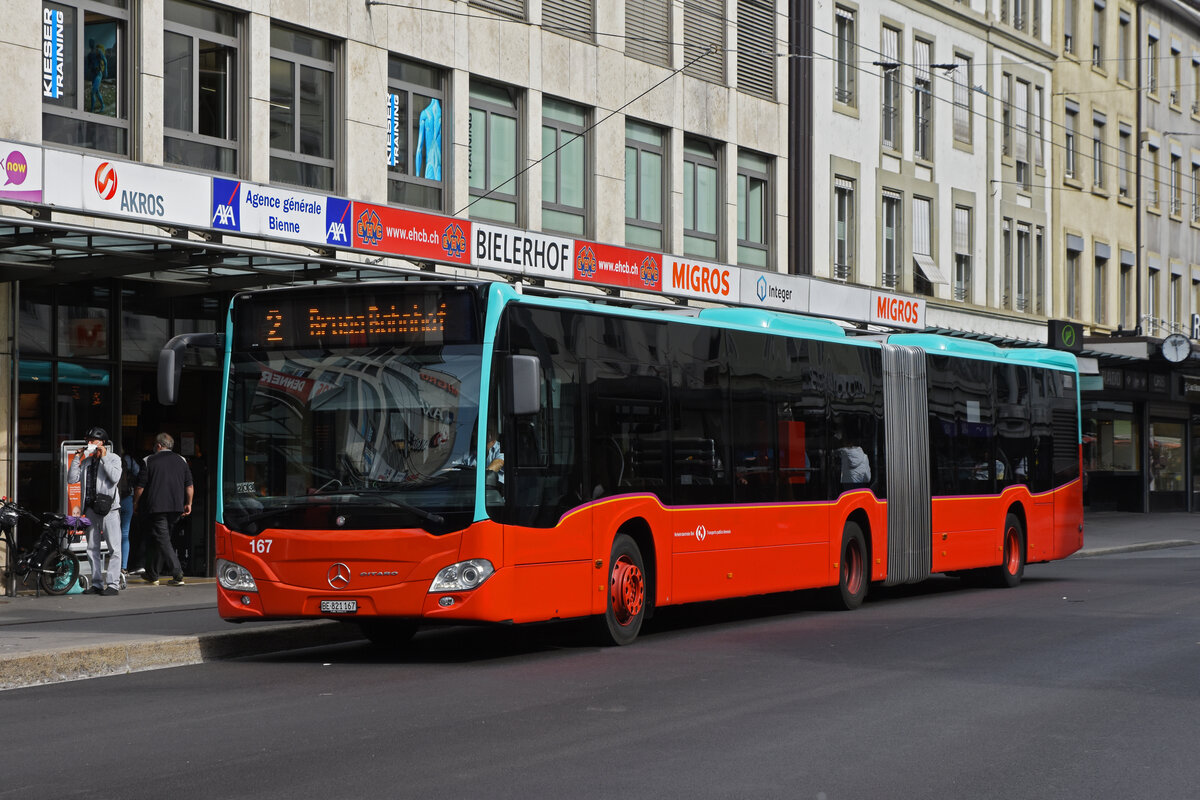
{"x": 1012, "y": 567}
{"x": 625, "y": 603}
{"x": 388, "y": 635}
{"x": 853, "y": 574}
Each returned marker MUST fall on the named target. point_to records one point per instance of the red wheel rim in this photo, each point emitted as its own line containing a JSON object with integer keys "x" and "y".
{"x": 852, "y": 569}
{"x": 627, "y": 590}
{"x": 1012, "y": 551}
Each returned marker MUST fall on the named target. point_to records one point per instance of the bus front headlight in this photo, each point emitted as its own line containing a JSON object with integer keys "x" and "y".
{"x": 463, "y": 576}
{"x": 235, "y": 577}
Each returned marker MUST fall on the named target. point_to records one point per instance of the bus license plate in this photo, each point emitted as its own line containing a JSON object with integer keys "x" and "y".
{"x": 339, "y": 606}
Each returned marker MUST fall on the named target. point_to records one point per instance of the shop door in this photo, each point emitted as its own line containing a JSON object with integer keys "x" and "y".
{"x": 1168, "y": 465}
{"x": 1194, "y": 466}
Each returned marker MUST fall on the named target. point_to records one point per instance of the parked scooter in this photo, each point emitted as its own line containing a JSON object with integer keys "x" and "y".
{"x": 50, "y": 564}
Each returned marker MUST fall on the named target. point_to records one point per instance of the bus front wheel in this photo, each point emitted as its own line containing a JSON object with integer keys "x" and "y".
{"x": 625, "y": 604}
{"x": 853, "y": 574}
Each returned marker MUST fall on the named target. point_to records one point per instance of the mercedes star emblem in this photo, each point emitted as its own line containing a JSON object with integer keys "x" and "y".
{"x": 339, "y": 576}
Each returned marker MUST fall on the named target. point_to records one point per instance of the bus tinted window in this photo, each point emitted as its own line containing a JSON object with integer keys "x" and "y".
{"x": 1014, "y": 433}
{"x": 699, "y": 430}
{"x": 854, "y": 382}
{"x": 961, "y": 418}
{"x": 801, "y": 420}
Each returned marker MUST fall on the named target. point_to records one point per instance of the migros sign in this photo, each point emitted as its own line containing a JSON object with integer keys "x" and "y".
{"x": 897, "y": 311}
{"x": 699, "y": 279}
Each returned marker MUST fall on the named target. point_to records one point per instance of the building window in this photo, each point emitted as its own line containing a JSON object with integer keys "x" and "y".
{"x": 492, "y": 147}
{"x": 1038, "y": 287}
{"x": 844, "y": 233}
{"x": 1006, "y": 264}
{"x": 1195, "y": 192}
{"x": 1021, "y": 135}
{"x": 303, "y": 102}
{"x": 1124, "y": 141}
{"x": 1068, "y": 26}
{"x": 704, "y": 39}
{"x": 922, "y": 101}
{"x": 1176, "y": 76}
{"x": 1035, "y": 115}
{"x": 844, "y": 56}
{"x": 962, "y": 253}
{"x": 85, "y": 75}
{"x": 1153, "y": 191}
{"x": 1175, "y": 304}
{"x": 754, "y": 209}
{"x": 925, "y": 272}
{"x": 1098, "y": 35}
{"x": 1020, "y": 14}
{"x": 1024, "y": 240}
{"x": 1152, "y": 286}
{"x": 416, "y": 103}
{"x": 1176, "y": 189}
{"x": 890, "y": 251}
{"x": 1099, "y": 291}
{"x": 200, "y": 62}
{"x": 1124, "y": 296}
{"x": 756, "y": 48}
{"x": 962, "y": 98}
{"x": 644, "y": 149}
{"x": 1098, "y": 164}
{"x": 1152, "y": 65}
{"x": 701, "y": 198}
{"x": 568, "y": 18}
{"x": 1070, "y": 143}
{"x": 1124, "y": 47}
{"x": 1006, "y": 115}
{"x": 1072, "y": 284}
{"x": 891, "y": 89}
{"x": 564, "y": 167}
{"x": 648, "y": 31}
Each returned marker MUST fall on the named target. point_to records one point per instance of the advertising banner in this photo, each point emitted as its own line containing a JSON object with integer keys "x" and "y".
{"x": 52, "y": 52}
{"x": 896, "y": 311}
{"x": 411, "y": 234}
{"x": 706, "y": 281}
{"x": 289, "y": 214}
{"x": 522, "y": 251}
{"x": 122, "y": 189}
{"x": 22, "y": 180}
{"x": 617, "y": 266}
{"x": 775, "y": 291}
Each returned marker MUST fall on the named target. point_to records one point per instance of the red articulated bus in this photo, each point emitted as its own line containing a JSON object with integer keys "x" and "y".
{"x": 437, "y": 451}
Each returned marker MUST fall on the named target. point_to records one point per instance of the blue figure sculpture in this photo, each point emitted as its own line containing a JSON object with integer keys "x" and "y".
{"x": 429, "y": 141}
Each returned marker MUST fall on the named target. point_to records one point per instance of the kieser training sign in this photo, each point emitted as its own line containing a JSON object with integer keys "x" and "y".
{"x": 293, "y": 215}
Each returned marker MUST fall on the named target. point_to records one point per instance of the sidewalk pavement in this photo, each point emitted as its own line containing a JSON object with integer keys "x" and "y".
{"x": 49, "y": 639}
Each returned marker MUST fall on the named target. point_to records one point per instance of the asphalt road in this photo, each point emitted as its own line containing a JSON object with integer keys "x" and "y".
{"x": 1081, "y": 683}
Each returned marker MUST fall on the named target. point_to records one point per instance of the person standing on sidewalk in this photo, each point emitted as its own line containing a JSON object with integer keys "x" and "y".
{"x": 166, "y": 480}
{"x": 130, "y": 469}
{"x": 98, "y": 471}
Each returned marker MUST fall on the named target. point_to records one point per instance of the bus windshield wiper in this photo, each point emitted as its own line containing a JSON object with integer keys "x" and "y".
{"x": 420, "y": 513}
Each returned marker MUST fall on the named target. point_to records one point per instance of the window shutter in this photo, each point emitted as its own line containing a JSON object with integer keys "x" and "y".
{"x": 756, "y": 61}
{"x": 920, "y": 231}
{"x": 704, "y": 27}
{"x": 568, "y": 18}
{"x": 921, "y": 60}
{"x": 962, "y": 230}
{"x": 509, "y": 8}
{"x": 647, "y": 31}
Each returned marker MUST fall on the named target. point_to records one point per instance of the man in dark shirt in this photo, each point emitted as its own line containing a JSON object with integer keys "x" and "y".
{"x": 167, "y": 483}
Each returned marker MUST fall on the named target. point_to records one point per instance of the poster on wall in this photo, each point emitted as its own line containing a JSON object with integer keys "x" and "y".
{"x": 22, "y": 173}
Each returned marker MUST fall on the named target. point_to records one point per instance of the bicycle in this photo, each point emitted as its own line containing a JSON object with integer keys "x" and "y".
{"x": 50, "y": 564}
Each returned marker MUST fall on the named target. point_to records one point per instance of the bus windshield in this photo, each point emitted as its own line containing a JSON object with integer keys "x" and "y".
{"x": 354, "y": 439}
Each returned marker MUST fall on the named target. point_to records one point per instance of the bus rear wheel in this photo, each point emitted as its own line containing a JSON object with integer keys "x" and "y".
{"x": 625, "y": 604}
{"x": 1012, "y": 568}
{"x": 853, "y": 574}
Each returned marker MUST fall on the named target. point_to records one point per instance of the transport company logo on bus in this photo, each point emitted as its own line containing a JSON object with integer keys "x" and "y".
{"x": 701, "y": 533}
{"x": 370, "y": 229}
{"x": 454, "y": 241}
{"x": 106, "y": 180}
{"x": 586, "y": 263}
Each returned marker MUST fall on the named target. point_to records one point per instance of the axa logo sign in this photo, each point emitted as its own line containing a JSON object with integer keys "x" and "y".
{"x": 369, "y": 229}
{"x": 454, "y": 241}
{"x": 106, "y": 181}
{"x": 337, "y": 217}
{"x": 226, "y": 205}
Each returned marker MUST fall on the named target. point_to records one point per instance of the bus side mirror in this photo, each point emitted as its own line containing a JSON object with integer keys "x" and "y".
{"x": 525, "y": 372}
{"x": 170, "y": 362}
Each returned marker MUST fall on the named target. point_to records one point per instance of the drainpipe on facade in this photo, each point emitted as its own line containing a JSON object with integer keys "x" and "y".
{"x": 1137, "y": 307}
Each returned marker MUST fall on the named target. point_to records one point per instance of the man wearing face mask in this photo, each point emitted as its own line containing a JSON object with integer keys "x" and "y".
{"x": 98, "y": 471}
